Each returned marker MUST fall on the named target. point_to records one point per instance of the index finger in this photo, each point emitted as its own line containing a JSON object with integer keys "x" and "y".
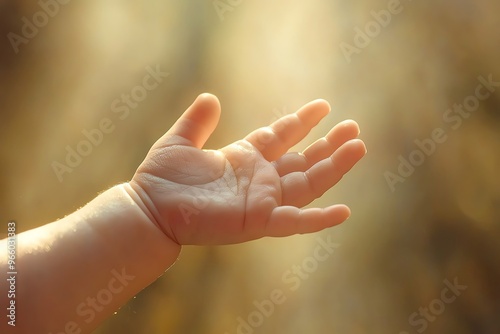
{"x": 276, "y": 139}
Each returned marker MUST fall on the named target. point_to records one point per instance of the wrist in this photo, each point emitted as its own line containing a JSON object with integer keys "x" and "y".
{"x": 144, "y": 207}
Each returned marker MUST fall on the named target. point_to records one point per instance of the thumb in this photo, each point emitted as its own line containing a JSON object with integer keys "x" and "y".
{"x": 196, "y": 124}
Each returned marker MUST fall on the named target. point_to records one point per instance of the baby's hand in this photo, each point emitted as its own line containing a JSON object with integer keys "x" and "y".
{"x": 251, "y": 188}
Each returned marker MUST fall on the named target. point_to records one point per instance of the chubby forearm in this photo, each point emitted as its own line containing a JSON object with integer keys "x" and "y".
{"x": 75, "y": 272}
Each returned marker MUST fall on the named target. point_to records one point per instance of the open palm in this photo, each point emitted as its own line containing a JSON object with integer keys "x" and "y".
{"x": 251, "y": 188}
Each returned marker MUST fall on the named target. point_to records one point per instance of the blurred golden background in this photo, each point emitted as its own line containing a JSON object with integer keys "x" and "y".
{"x": 398, "y": 78}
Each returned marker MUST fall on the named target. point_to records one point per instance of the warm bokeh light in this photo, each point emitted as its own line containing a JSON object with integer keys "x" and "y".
{"x": 409, "y": 235}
